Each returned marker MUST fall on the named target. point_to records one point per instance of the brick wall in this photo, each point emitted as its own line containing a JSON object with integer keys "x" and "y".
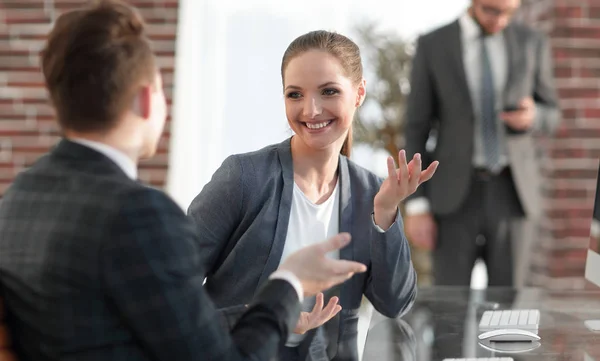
{"x": 571, "y": 158}
{"x": 27, "y": 126}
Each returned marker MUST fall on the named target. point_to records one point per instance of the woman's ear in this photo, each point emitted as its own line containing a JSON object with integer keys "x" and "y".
{"x": 362, "y": 92}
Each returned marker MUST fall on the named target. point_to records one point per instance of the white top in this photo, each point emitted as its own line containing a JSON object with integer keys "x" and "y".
{"x": 130, "y": 168}
{"x": 471, "y": 45}
{"x": 309, "y": 224}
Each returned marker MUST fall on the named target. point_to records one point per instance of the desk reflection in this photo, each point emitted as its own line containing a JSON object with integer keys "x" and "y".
{"x": 444, "y": 323}
{"x": 392, "y": 339}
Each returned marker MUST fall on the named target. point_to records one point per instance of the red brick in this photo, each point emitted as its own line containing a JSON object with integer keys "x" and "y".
{"x": 566, "y": 193}
{"x": 587, "y": 71}
{"x": 570, "y": 192}
{"x": 568, "y": 12}
{"x": 591, "y": 113}
{"x": 595, "y": 153}
{"x": 576, "y": 31}
{"x": 20, "y": 16}
{"x": 593, "y": 11}
{"x": 26, "y": 118}
{"x": 582, "y": 173}
{"x": 569, "y": 112}
{"x": 563, "y": 72}
{"x": 579, "y": 93}
{"x": 563, "y": 52}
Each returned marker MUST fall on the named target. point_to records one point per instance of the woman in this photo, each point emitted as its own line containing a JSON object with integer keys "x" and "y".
{"x": 261, "y": 206}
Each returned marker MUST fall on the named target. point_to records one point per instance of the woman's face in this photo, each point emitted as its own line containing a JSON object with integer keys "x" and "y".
{"x": 320, "y": 100}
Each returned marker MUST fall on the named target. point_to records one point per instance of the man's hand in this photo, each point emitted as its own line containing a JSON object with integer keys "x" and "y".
{"x": 318, "y": 315}
{"x": 316, "y": 271}
{"x": 523, "y": 118}
{"x": 421, "y": 230}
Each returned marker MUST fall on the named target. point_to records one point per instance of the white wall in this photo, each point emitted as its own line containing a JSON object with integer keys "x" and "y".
{"x": 228, "y": 97}
{"x": 196, "y": 145}
{"x": 227, "y": 94}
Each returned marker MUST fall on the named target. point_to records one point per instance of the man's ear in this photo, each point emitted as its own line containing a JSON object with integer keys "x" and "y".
{"x": 142, "y": 102}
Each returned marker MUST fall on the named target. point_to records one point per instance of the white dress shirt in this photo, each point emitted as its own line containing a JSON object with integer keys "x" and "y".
{"x": 498, "y": 55}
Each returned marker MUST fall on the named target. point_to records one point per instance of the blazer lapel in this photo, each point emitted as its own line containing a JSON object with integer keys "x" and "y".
{"x": 512, "y": 56}
{"x": 345, "y": 290}
{"x": 287, "y": 170}
{"x": 345, "y": 211}
{"x": 454, "y": 48}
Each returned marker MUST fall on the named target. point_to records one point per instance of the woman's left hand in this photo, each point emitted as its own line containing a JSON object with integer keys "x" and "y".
{"x": 399, "y": 184}
{"x": 319, "y": 315}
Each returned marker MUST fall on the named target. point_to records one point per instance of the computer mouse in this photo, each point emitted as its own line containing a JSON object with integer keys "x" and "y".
{"x": 509, "y": 347}
{"x": 509, "y": 335}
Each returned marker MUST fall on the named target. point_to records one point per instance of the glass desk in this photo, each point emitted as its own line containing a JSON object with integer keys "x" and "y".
{"x": 443, "y": 323}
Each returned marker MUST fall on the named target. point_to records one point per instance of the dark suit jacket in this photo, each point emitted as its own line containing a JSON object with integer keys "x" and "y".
{"x": 440, "y": 100}
{"x": 96, "y": 266}
{"x": 243, "y": 214}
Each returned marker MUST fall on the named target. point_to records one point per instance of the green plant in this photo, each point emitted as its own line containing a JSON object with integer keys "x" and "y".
{"x": 380, "y": 121}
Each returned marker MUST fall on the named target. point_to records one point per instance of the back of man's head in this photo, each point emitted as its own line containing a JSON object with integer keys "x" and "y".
{"x": 94, "y": 62}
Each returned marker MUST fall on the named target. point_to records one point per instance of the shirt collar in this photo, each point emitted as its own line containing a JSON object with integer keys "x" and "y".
{"x": 469, "y": 27}
{"x": 121, "y": 159}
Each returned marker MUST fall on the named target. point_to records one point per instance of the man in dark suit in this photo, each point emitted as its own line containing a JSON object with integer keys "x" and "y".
{"x": 480, "y": 88}
{"x": 95, "y": 265}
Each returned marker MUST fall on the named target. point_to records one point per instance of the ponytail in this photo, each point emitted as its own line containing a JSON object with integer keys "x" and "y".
{"x": 347, "y": 146}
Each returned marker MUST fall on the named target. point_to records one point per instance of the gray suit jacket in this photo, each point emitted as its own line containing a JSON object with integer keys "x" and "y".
{"x": 242, "y": 216}
{"x": 440, "y": 101}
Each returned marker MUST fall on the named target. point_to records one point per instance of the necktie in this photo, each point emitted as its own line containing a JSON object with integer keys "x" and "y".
{"x": 488, "y": 112}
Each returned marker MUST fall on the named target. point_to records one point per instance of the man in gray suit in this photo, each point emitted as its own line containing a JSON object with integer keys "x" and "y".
{"x": 481, "y": 87}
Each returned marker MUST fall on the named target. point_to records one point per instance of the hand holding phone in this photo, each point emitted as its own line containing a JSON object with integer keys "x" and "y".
{"x": 519, "y": 117}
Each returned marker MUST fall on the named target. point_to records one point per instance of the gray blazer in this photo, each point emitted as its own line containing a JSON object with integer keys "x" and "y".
{"x": 440, "y": 100}
{"x": 242, "y": 216}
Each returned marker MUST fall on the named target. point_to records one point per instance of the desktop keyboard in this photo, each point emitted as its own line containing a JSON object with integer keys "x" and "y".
{"x": 481, "y": 359}
{"x": 510, "y": 319}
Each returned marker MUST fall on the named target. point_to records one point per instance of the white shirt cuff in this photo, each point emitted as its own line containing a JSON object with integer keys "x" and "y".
{"x": 417, "y": 206}
{"x": 595, "y": 228}
{"x": 292, "y": 279}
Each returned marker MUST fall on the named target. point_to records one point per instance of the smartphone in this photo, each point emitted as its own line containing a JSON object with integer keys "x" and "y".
{"x": 512, "y": 108}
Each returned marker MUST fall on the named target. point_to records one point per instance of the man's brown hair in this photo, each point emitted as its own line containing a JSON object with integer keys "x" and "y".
{"x": 94, "y": 62}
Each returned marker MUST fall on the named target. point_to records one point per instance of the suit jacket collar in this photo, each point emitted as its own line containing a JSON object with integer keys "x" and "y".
{"x": 88, "y": 159}
{"x": 454, "y": 48}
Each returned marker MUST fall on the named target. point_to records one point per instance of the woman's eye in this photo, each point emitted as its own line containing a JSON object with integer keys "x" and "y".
{"x": 330, "y": 91}
{"x": 293, "y": 95}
